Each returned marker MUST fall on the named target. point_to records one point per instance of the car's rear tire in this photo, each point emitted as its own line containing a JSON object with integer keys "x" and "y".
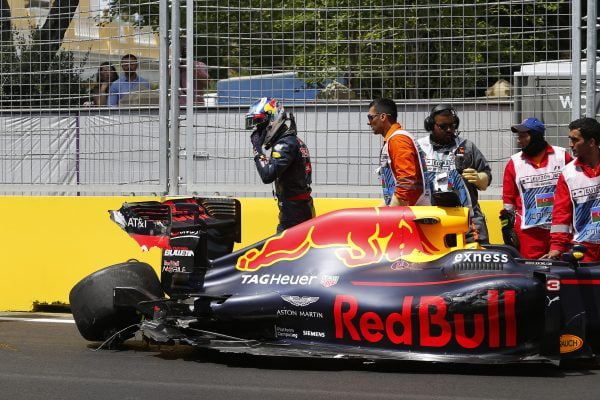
{"x": 91, "y": 299}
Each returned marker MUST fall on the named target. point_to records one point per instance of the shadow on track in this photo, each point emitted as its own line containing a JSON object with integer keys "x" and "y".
{"x": 241, "y": 360}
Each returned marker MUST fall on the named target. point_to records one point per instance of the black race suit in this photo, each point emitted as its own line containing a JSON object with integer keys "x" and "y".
{"x": 289, "y": 167}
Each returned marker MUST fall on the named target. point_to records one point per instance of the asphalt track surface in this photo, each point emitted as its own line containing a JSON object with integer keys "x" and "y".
{"x": 42, "y": 356}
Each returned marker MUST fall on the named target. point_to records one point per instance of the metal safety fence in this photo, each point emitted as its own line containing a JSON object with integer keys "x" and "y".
{"x": 76, "y": 120}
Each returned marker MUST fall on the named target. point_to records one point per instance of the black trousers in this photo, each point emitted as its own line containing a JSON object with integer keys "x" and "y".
{"x": 294, "y": 212}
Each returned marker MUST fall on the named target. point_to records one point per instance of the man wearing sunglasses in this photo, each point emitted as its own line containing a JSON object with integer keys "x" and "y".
{"x": 455, "y": 164}
{"x": 401, "y": 169}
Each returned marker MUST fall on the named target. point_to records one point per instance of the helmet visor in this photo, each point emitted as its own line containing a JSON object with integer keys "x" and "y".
{"x": 253, "y": 120}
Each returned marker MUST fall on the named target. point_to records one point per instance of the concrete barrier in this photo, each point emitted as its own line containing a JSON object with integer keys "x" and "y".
{"x": 50, "y": 243}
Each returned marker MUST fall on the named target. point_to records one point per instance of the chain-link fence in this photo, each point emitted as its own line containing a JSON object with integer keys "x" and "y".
{"x": 66, "y": 131}
{"x": 79, "y": 89}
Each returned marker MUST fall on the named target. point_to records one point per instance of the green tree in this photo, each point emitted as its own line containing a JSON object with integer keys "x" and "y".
{"x": 34, "y": 72}
{"x": 396, "y": 48}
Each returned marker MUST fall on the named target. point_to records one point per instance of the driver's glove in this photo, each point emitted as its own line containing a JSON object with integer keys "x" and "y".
{"x": 256, "y": 145}
{"x": 507, "y": 222}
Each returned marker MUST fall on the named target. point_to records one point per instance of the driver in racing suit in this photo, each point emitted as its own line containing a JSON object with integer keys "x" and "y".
{"x": 288, "y": 164}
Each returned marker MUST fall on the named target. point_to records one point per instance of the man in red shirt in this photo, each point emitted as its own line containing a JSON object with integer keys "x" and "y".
{"x": 401, "y": 164}
{"x": 528, "y": 189}
{"x": 576, "y": 214}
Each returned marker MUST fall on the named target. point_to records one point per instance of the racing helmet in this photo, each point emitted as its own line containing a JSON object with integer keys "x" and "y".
{"x": 268, "y": 114}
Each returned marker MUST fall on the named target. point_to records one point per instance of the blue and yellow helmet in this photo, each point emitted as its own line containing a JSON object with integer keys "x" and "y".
{"x": 268, "y": 114}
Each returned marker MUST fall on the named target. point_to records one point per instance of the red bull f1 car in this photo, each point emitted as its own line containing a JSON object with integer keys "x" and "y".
{"x": 370, "y": 283}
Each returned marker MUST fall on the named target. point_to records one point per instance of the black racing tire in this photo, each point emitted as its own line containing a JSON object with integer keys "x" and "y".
{"x": 91, "y": 299}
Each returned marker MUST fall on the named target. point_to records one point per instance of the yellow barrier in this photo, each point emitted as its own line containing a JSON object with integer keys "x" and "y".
{"x": 50, "y": 243}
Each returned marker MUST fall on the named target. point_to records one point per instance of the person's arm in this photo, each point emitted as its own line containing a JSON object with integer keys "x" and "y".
{"x": 283, "y": 154}
{"x": 145, "y": 83}
{"x": 562, "y": 218}
{"x": 510, "y": 196}
{"x": 406, "y": 168}
{"x": 113, "y": 95}
{"x": 510, "y": 191}
{"x": 200, "y": 70}
{"x": 479, "y": 172}
{"x": 201, "y": 79}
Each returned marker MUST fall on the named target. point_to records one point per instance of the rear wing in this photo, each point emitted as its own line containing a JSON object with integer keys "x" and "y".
{"x": 153, "y": 223}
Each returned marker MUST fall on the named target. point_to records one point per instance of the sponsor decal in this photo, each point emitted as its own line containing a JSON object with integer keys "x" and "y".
{"x": 285, "y": 332}
{"x": 537, "y": 262}
{"x": 329, "y": 280}
{"x": 552, "y": 300}
{"x": 553, "y": 285}
{"x": 481, "y": 256}
{"x": 136, "y": 222}
{"x": 401, "y": 264}
{"x": 173, "y": 266}
{"x": 302, "y": 313}
{"x": 174, "y": 269}
{"x": 278, "y": 279}
{"x": 171, "y": 263}
{"x": 544, "y": 200}
{"x": 432, "y": 325}
{"x": 595, "y": 214}
{"x": 570, "y": 343}
{"x": 154, "y": 234}
{"x": 313, "y": 333}
{"x": 287, "y": 313}
{"x": 185, "y": 233}
{"x": 179, "y": 253}
{"x": 310, "y": 314}
{"x": 383, "y": 233}
{"x": 299, "y": 301}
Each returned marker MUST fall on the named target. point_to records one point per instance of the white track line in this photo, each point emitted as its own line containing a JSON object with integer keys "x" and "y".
{"x": 48, "y": 320}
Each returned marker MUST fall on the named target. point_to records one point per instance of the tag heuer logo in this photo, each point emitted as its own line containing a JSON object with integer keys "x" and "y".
{"x": 329, "y": 280}
{"x": 300, "y": 301}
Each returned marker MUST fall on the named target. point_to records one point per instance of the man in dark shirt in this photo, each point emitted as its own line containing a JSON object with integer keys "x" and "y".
{"x": 288, "y": 164}
{"x": 456, "y": 164}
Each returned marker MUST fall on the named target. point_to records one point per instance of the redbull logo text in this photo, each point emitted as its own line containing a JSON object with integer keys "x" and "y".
{"x": 373, "y": 234}
{"x": 431, "y": 325}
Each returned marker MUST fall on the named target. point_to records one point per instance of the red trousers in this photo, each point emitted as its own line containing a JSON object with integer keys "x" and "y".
{"x": 533, "y": 242}
{"x": 592, "y": 252}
